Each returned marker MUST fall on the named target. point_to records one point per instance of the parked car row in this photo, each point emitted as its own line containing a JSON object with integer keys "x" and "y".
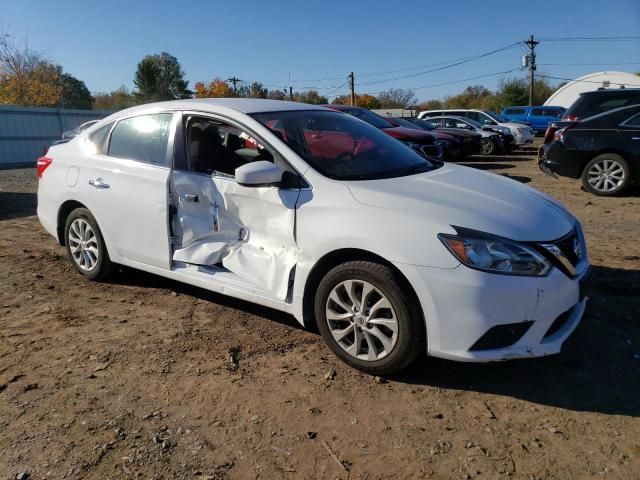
{"x": 313, "y": 212}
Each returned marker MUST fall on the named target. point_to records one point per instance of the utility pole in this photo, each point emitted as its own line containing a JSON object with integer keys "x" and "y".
{"x": 234, "y": 80}
{"x": 290, "y": 93}
{"x": 531, "y": 62}
{"x": 352, "y": 87}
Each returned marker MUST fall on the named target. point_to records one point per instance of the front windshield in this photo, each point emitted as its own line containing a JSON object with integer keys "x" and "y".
{"x": 496, "y": 117}
{"x": 341, "y": 147}
{"x": 369, "y": 117}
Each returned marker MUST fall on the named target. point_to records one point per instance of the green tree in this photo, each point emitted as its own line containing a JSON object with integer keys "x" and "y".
{"x": 118, "y": 99}
{"x": 160, "y": 77}
{"x": 365, "y": 101}
{"x": 75, "y": 93}
{"x": 430, "y": 105}
{"x": 277, "y": 95}
{"x": 310, "y": 96}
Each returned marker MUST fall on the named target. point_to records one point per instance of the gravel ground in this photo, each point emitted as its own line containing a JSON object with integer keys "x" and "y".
{"x": 142, "y": 377}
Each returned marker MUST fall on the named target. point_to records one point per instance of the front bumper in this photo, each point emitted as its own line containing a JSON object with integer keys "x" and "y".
{"x": 461, "y": 305}
{"x": 524, "y": 138}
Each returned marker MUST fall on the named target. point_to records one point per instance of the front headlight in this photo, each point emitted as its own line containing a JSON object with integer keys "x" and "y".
{"x": 495, "y": 254}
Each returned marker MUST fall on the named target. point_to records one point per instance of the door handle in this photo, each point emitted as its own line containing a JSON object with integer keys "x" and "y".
{"x": 189, "y": 197}
{"x": 98, "y": 183}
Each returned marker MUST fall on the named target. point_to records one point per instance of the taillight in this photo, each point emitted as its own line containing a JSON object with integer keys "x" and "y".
{"x": 548, "y": 134}
{"x": 43, "y": 163}
{"x": 559, "y": 135}
{"x": 571, "y": 118}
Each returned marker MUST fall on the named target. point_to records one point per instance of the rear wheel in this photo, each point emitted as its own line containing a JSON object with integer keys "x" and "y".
{"x": 607, "y": 174}
{"x": 368, "y": 319}
{"x": 85, "y": 245}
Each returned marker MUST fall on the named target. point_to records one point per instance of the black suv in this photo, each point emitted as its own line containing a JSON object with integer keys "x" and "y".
{"x": 603, "y": 150}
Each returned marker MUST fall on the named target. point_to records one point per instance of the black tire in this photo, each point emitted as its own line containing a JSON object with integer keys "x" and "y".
{"x": 103, "y": 266}
{"x": 618, "y": 164}
{"x": 489, "y": 147}
{"x": 411, "y": 336}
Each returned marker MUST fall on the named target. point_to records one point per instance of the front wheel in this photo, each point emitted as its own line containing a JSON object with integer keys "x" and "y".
{"x": 607, "y": 174}
{"x": 488, "y": 147}
{"x": 85, "y": 245}
{"x": 368, "y": 319}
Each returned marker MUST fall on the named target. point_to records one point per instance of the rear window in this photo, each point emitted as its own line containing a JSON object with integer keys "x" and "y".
{"x": 142, "y": 138}
{"x": 589, "y": 105}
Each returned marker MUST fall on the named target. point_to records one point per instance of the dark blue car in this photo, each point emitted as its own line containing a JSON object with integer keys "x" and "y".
{"x": 538, "y": 117}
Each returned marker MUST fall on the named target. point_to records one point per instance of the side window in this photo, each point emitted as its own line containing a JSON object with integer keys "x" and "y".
{"x": 633, "y": 121}
{"x": 215, "y": 147}
{"x": 437, "y": 122}
{"x": 539, "y": 112}
{"x": 477, "y": 116}
{"x": 519, "y": 111}
{"x": 99, "y": 139}
{"x": 143, "y": 138}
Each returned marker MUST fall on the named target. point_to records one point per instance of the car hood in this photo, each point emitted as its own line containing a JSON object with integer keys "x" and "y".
{"x": 410, "y": 134}
{"x": 466, "y": 197}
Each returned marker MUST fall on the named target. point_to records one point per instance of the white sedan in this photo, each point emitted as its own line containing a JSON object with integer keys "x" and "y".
{"x": 316, "y": 213}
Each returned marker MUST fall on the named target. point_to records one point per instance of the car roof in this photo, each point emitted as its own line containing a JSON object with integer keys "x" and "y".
{"x": 611, "y": 91}
{"x": 244, "y": 105}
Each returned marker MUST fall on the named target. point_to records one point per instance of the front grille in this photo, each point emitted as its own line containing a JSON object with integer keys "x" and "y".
{"x": 501, "y": 336}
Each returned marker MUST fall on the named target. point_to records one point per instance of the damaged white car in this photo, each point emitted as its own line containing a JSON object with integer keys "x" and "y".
{"x": 316, "y": 213}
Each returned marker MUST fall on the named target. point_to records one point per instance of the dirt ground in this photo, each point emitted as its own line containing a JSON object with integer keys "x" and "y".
{"x": 132, "y": 378}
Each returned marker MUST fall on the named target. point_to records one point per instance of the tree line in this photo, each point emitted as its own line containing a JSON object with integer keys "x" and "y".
{"x": 28, "y": 78}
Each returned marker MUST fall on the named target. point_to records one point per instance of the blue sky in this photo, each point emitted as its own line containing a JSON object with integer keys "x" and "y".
{"x": 101, "y": 42}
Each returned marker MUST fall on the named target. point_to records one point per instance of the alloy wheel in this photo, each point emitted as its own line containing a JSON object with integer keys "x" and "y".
{"x": 606, "y": 175}
{"x": 361, "y": 320}
{"x": 83, "y": 244}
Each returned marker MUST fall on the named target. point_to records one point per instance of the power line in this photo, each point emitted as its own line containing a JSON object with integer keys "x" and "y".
{"x": 455, "y": 64}
{"x": 588, "y": 64}
{"x": 589, "y": 39}
{"x": 420, "y": 87}
{"x": 588, "y": 81}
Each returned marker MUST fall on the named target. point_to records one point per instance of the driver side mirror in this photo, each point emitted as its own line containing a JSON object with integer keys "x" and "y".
{"x": 488, "y": 122}
{"x": 257, "y": 174}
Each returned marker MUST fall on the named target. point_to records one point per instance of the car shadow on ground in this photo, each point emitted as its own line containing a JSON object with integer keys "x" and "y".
{"x": 17, "y": 205}
{"x": 594, "y": 372}
{"x": 137, "y": 278}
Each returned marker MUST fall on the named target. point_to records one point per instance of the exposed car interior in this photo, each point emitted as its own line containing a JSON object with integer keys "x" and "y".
{"x": 218, "y": 148}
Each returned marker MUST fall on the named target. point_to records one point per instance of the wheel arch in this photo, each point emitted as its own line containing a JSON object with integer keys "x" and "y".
{"x": 63, "y": 212}
{"x": 334, "y": 258}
